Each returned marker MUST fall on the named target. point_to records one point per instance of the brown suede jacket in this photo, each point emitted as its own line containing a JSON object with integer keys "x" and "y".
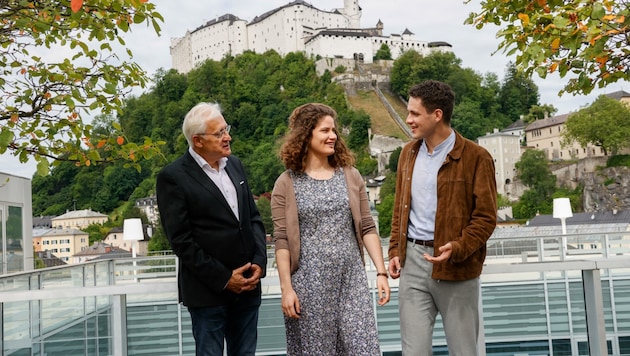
{"x": 286, "y": 226}
{"x": 466, "y": 212}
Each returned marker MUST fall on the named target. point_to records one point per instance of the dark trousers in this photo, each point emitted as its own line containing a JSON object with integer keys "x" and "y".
{"x": 236, "y": 324}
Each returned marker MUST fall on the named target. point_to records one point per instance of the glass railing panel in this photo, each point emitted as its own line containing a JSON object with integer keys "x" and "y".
{"x": 578, "y": 312}
{"x": 621, "y": 294}
{"x": 558, "y": 308}
{"x": 17, "y": 283}
{"x": 271, "y": 333}
{"x": 153, "y": 329}
{"x": 514, "y": 308}
{"x": 17, "y": 325}
{"x": 525, "y": 305}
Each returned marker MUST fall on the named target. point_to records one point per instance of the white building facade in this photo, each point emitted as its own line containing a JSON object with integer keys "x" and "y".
{"x": 505, "y": 149}
{"x": 297, "y": 26}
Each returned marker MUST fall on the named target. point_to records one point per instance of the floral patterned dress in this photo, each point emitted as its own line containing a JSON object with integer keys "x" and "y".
{"x": 337, "y": 316}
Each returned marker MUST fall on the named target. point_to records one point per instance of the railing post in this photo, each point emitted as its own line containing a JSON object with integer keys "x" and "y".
{"x": 594, "y": 306}
{"x": 1, "y": 328}
{"x": 119, "y": 325}
{"x": 481, "y": 338}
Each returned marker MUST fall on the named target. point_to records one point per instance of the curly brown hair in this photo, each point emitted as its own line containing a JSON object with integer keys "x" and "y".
{"x": 302, "y": 122}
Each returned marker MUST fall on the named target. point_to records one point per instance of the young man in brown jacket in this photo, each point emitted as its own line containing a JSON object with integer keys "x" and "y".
{"x": 444, "y": 212}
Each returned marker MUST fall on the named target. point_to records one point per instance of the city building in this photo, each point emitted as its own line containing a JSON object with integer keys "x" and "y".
{"x": 295, "y": 27}
{"x": 99, "y": 250}
{"x": 47, "y": 260}
{"x": 505, "y": 149}
{"x": 546, "y": 135}
{"x": 16, "y": 218}
{"x": 78, "y": 219}
{"x": 63, "y": 243}
{"x": 149, "y": 207}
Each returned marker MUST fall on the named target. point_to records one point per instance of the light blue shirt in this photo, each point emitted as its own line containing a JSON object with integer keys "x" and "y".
{"x": 220, "y": 178}
{"x": 424, "y": 188}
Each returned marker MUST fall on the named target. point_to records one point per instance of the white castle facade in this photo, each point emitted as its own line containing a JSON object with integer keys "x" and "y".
{"x": 296, "y": 26}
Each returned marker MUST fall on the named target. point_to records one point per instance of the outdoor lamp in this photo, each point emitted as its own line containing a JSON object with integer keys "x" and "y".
{"x": 132, "y": 231}
{"x": 562, "y": 211}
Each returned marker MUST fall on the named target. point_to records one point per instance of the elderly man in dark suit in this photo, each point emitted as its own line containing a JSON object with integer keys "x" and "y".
{"x": 213, "y": 226}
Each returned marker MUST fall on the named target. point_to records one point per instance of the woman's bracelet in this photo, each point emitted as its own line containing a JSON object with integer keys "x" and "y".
{"x": 384, "y": 274}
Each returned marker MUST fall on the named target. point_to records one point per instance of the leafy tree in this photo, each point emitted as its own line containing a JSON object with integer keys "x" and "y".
{"x": 358, "y": 138}
{"x": 402, "y": 75}
{"x": 386, "y": 206}
{"x": 587, "y": 38}
{"x": 411, "y": 68}
{"x": 604, "y": 123}
{"x": 482, "y": 103}
{"x": 574, "y": 195}
{"x": 385, "y": 209}
{"x": 533, "y": 170}
{"x": 618, "y": 161}
{"x": 158, "y": 241}
{"x": 383, "y": 53}
{"x": 518, "y": 93}
{"x": 257, "y": 93}
{"x": 539, "y": 112}
{"x": 365, "y": 164}
{"x": 96, "y": 232}
{"x": 45, "y": 98}
{"x": 392, "y": 165}
{"x": 502, "y": 201}
{"x": 263, "y": 167}
{"x": 468, "y": 120}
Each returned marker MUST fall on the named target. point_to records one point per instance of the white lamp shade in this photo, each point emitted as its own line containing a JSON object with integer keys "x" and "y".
{"x": 562, "y": 208}
{"x": 132, "y": 229}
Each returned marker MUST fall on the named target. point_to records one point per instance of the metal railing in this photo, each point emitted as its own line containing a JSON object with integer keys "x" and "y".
{"x": 35, "y": 305}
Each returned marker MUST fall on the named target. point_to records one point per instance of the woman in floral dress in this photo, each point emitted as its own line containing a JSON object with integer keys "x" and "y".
{"x": 322, "y": 222}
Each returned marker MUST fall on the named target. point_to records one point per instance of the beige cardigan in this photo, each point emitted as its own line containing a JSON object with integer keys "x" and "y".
{"x": 286, "y": 231}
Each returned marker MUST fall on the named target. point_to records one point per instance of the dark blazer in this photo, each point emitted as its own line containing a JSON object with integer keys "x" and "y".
{"x": 204, "y": 233}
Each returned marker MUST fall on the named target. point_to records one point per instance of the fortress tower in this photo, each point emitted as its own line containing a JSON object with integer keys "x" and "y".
{"x": 353, "y": 12}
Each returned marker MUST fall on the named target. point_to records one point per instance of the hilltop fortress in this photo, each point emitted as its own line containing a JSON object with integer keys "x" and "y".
{"x": 296, "y": 26}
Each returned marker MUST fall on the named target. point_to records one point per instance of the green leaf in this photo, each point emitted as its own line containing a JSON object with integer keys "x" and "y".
{"x": 598, "y": 11}
{"x": 139, "y": 18}
{"x": 6, "y": 137}
{"x": 43, "y": 167}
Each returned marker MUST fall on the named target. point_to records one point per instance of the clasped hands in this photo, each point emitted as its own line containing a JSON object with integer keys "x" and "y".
{"x": 244, "y": 278}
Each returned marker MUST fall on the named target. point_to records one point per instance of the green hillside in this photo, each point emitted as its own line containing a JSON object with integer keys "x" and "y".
{"x": 382, "y": 122}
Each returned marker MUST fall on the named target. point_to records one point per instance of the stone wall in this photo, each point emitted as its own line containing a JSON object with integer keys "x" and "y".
{"x": 381, "y": 147}
{"x": 607, "y": 189}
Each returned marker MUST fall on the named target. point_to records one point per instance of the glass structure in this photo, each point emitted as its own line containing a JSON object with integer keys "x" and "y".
{"x": 535, "y": 301}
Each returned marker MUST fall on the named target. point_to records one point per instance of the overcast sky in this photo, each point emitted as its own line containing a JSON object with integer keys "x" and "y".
{"x": 429, "y": 20}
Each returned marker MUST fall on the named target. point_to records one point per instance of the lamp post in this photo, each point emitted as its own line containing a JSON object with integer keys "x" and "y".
{"x": 562, "y": 211}
{"x": 132, "y": 231}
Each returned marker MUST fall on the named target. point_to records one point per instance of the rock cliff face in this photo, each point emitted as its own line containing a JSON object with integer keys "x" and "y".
{"x": 607, "y": 189}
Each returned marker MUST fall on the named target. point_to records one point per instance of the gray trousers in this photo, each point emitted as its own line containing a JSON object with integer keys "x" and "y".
{"x": 421, "y": 298}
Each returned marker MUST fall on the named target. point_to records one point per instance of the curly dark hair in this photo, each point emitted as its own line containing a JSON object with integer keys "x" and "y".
{"x": 302, "y": 122}
{"x": 435, "y": 95}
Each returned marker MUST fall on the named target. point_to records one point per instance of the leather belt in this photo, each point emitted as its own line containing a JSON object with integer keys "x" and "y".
{"x": 427, "y": 243}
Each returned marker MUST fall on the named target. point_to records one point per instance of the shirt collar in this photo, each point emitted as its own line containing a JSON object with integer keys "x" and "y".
{"x": 446, "y": 144}
{"x": 203, "y": 163}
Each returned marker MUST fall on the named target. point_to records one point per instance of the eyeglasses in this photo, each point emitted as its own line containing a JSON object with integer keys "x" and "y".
{"x": 219, "y": 134}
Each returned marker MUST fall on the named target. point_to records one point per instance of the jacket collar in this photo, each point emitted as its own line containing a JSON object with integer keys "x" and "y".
{"x": 456, "y": 152}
